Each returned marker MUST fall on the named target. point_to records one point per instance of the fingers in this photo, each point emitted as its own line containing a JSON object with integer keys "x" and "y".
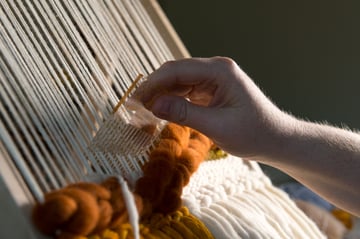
{"x": 184, "y": 72}
{"x": 179, "y": 77}
{"x": 179, "y": 110}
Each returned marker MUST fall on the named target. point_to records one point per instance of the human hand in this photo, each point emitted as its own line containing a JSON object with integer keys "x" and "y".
{"x": 214, "y": 96}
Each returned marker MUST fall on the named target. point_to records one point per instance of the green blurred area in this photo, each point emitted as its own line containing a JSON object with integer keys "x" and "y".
{"x": 305, "y": 55}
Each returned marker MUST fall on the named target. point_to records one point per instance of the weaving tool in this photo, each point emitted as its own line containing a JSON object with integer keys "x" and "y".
{"x": 63, "y": 67}
{"x": 130, "y": 130}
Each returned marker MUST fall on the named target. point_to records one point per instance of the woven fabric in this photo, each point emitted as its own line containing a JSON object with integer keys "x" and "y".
{"x": 235, "y": 199}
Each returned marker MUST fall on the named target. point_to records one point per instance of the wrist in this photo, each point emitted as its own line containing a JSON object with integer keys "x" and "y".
{"x": 277, "y": 137}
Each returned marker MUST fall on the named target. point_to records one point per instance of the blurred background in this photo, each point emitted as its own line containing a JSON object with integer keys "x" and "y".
{"x": 305, "y": 55}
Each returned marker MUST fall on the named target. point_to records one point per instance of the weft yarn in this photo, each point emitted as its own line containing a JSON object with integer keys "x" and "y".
{"x": 180, "y": 224}
{"x": 82, "y": 209}
{"x": 171, "y": 164}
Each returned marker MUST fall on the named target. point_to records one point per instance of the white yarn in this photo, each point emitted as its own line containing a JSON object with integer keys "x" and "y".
{"x": 235, "y": 199}
{"x": 130, "y": 207}
{"x": 63, "y": 67}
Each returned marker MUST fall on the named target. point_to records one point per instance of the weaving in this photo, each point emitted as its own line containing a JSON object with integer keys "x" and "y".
{"x": 64, "y": 65}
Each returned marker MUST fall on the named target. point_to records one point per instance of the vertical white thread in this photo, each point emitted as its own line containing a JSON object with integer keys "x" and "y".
{"x": 130, "y": 207}
{"x": 64, "y": 65}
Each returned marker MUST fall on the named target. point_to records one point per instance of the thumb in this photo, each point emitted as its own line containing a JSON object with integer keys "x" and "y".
{"x": 178, "y": 110}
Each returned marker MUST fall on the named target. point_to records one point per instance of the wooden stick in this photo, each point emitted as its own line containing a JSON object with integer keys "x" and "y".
{"x": 122, "y": 100}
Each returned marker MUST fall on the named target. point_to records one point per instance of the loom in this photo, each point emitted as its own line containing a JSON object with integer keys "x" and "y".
{"x": 64, "y": 66}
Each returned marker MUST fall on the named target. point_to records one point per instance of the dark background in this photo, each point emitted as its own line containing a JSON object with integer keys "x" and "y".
{"x": 305, "y": 55}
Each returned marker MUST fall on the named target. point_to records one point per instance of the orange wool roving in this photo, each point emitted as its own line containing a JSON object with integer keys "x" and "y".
{"x": 176, "y": 157}
{"x": 82, "y": 209}
{"x": 69, "y": 209}
{"x": 116, "y": 200}
{"x": 85, "y": 209}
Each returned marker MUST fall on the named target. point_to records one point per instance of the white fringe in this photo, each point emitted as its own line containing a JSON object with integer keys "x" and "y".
{"x": 237, "y": 200}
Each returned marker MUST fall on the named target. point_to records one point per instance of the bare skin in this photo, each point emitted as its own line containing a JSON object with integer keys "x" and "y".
{"x": 214, "y": 96}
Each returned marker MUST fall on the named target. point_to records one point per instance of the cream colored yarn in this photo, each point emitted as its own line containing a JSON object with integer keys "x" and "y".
{"x": 235, "y": 199}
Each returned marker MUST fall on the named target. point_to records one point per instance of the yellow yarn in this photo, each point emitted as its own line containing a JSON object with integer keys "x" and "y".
{"x": 344, "y": 217}
{"x": 178, "y": 225}
{"x": 216, "y": 153}
{"x": 106, "y": 234}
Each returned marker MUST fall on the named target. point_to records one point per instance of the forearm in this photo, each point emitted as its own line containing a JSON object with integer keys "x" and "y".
{"x": 325, "y": 158}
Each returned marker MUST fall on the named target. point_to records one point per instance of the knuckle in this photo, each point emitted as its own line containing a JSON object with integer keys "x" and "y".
{"x": 224, "y": 62}
{"x": 224, "y": 65}
{"x": 168, "y": 64}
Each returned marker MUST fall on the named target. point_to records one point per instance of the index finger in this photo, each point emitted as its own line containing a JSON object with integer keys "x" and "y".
{"x": 176, "y": 78}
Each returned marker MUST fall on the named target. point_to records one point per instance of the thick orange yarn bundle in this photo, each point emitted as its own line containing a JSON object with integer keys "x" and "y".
{"x": 82, "y": 209}
{"x": 176, "y": 157}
